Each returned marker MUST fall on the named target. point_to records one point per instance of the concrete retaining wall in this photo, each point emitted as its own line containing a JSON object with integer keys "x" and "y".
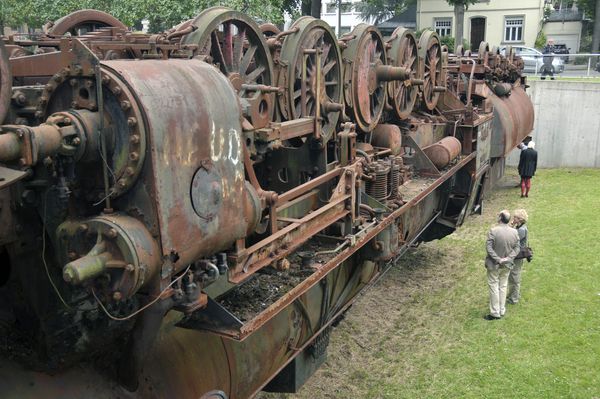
{"x": 567, "y": 124}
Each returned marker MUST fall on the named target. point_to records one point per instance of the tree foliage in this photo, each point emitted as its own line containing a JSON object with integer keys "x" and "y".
{"x": 381, "y": 10}
{"x": 588, "y": 7}
{"x": 465, "y": 3}
{"x": 162, "y": 14}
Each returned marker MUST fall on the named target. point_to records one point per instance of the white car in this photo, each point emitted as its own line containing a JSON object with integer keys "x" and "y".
{"x": 534, "y": 59}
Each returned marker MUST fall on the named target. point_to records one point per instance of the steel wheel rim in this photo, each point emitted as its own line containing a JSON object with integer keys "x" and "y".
{"x": 430, "y": 52}
{"x": 312, "y": 34}
{"x": 72, "y": 22}
{"x": 404, "y": 52}
{"x": 364, "y": 94}
{"x": 234, "y": 43}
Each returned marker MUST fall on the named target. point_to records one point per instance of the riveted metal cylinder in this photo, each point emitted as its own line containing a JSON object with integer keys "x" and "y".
{"x": 388, "y": 136}
{"x": 443, "y": 152}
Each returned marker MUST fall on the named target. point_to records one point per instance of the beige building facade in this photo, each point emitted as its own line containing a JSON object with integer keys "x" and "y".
{"x": 499, "y": 22}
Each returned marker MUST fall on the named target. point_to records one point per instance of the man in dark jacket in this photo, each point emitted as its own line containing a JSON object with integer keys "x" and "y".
{"x": 547, "y": 60}
{"x": 527, "y": 168}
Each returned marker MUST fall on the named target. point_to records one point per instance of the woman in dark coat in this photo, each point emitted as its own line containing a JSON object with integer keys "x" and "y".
{"x": 527, "y": 167}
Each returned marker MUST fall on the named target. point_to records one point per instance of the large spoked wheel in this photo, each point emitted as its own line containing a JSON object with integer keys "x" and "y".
{"x": 483, "y": 54}
{"x": 5, "y": 82}
{"x": 305, "y": 85}
{"x": 234, "y": 43}
{"x": 404, "y": 53}
{"x": 430, "y": 52}
{"x": 364, "y": 93}
{"x": 83, "y": 21}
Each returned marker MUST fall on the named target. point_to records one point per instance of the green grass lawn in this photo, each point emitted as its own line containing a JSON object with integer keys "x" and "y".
{"x": 420, "y": 333}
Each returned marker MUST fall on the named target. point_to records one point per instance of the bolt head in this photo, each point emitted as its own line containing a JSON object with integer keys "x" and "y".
{"x": 111, "y": 233}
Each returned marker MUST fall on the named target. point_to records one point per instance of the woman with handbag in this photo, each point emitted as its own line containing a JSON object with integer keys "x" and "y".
{"x": 514, "y": 278}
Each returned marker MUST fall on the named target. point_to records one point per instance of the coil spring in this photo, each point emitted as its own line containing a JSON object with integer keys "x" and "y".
{"x": 394, "y": 179}
{"x": 378, "y": 187}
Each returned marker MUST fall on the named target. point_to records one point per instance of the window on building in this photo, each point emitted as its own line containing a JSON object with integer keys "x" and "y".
{"x": 513, "y": 29}
{"x": 443, "y": 27}
{"x": 332, "y": 7}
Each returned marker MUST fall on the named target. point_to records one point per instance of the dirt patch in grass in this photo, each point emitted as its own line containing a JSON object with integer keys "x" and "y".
{"x": 388, "y": 320}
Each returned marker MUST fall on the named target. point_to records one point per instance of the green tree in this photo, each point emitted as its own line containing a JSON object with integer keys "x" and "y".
{"x": 381, "y": 10}
{"x": 162, "y": 14}
{"x": 592, "y": 10}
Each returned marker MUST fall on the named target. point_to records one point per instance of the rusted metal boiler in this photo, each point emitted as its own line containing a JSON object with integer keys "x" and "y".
{"x": 187, "y": 214}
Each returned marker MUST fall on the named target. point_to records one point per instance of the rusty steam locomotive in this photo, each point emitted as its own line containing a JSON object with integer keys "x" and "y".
{"x": 186, "y": 214}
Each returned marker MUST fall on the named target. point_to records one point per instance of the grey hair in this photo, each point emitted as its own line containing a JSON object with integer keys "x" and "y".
{"x": 504, "y": 216}
{"x": 531, "y": 144}
{"x": 521, "y": 214}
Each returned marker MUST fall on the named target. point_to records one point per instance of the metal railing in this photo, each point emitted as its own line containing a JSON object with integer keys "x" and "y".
{"x": 566, "y": 65}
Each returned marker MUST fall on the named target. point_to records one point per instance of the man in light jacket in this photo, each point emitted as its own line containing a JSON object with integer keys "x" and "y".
{"x": 502, "y": 247}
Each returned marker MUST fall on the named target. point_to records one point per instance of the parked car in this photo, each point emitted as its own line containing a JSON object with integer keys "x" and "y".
{"x": 560, "y": 49}
{"x": 534, "y": 59}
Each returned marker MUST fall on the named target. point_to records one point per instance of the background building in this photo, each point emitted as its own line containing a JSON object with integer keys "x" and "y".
{"x": 504, "y": 22}
{"x": 499, "y": 22}
{"x": 564, "y": 24}
{"x": 350, "y": 17}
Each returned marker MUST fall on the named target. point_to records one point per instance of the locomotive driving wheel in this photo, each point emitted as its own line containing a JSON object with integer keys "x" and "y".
{"x": 5, "y": 82}
{"x": 313, "y": 80}
{"x": 83, "y": 21}
{"x": 234, "y": 43}
{"x": 404, "y": 53}
{"x": 483, "y": 54}
{"x": 364, "y": 92}
{"x": 430, "y": 52}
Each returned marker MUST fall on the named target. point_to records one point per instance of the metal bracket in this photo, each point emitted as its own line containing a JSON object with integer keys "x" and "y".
{"x": 418, "y": 159}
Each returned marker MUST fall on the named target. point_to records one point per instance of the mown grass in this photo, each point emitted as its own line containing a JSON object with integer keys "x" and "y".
{"x": 420, "y": 332}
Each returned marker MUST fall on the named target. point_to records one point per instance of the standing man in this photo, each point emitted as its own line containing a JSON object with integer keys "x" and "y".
{"x": 527, "y": 167}
{"x": 502, "y": 247}
{"x": 547, "y": 59}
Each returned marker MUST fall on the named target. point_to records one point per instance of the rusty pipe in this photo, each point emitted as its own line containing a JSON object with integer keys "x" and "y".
{"x": 329, "y": 106}
{"x": 389, "y": 73}
{"x": 263, "y": 88}
{"x": 10, "y": 147}
{"x": 287, "y": 32}
{"x": 183, "y": 32}
{"x": 30, "y": 143}
{"x": 470, "y": 88}
{"x": 89, "y": 266}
